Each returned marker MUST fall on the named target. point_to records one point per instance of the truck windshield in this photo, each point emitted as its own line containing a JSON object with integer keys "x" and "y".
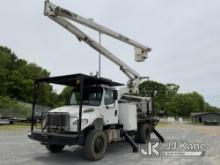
{"x": 91, "y": 96}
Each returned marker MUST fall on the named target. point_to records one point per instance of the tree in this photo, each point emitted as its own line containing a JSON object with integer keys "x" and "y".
{"x": 209, "y": 108}
{"x": 17, "y": 77}
{"x": 65, "y": 95}
{"x": 184, "y": 104}
{"x": 171, "y": 90}
{"x": 160, "y": 93}
{"x": 166, "y": 98}
{"x": 11, "y": 108}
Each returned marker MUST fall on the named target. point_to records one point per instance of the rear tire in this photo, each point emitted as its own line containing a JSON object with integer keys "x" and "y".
{"x": 55, "y": 148}
{"x": 143, "y": 133}
{"x": 95, "y": 145}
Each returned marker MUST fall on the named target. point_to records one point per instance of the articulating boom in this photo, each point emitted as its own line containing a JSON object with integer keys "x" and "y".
{"x": 63, "y": 17}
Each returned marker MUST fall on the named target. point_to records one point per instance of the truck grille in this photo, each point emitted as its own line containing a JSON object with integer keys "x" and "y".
{"x": 58, "y": 122}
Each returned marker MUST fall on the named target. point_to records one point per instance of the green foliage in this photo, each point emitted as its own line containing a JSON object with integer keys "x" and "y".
{"x": 17, "y": 77}
{"x": 171, "y": 90}
{"x": 166, "y": 98}
{"x": 209, "y": 108}
{"x": 11, "y": 108}
{"x": 65, "y": 95}
{"x": 160, "y": 93}
{"x": 184, "y": 104}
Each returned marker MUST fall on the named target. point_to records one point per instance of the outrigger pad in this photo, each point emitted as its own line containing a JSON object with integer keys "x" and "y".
{"x": 161, "y": 138}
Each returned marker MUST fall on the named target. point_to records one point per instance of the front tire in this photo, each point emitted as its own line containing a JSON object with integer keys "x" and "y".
{"x": 55, "y": 148}
{"x": 95, "y": 145}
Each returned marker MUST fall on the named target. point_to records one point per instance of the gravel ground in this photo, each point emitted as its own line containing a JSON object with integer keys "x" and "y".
{"x": 16, "y": 148}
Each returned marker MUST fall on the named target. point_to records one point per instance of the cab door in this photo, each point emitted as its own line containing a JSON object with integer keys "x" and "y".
{"x": 110, "y": 107}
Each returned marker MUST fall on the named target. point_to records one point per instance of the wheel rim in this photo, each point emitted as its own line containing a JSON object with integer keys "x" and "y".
{"x": 99, "y": 145}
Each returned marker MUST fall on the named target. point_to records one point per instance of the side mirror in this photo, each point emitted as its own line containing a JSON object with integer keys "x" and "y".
{"x": 115, "y": 94}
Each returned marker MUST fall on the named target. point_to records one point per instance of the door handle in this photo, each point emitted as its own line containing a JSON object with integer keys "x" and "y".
{"x": 107, "y": 107}
{"x": 116, "y": 112}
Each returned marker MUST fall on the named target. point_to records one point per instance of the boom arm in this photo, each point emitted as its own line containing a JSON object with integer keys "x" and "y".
{"x": 63, "y": 17}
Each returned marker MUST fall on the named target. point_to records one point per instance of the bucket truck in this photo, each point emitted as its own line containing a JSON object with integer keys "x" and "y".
{"x": 96, "y": 114}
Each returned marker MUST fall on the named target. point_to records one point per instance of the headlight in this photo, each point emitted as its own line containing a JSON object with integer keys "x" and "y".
{"x": 83, "y": 122}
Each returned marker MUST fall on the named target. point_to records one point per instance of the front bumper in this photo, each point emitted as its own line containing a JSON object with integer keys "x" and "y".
{"x": 56, "y": 138}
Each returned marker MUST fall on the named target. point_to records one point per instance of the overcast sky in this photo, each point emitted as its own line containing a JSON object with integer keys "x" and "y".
{"x": 184, "y": 37}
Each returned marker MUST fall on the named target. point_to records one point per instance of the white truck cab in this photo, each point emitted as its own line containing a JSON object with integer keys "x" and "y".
{"x": 99, "y": 102}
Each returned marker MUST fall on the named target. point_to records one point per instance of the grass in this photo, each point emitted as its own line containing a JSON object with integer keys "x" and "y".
{"x": 162, "y": 124}
{"x": 15, "y": 126}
